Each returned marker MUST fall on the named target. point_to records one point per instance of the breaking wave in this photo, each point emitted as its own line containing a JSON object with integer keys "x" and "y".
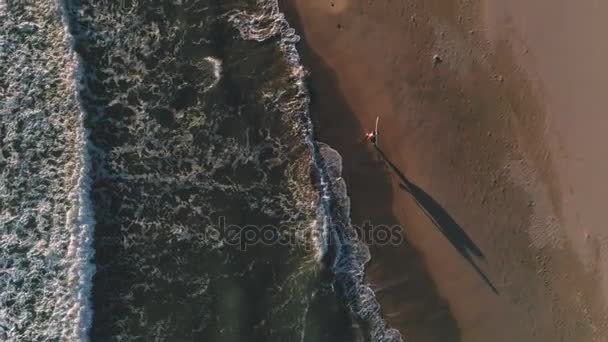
{"x": 46, "y": 224}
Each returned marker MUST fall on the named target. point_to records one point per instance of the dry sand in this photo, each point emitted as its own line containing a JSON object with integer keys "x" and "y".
{"x": 501, "y": 141}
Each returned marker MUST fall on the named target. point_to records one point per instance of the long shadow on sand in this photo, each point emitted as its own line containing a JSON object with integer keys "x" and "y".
{"x": 442, "y": 220}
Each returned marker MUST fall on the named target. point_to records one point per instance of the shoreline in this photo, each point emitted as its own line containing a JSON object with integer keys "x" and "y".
{"x": 393, "y": 291}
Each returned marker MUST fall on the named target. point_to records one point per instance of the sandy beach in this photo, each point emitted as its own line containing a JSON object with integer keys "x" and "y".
{"x": 491, "y": 121}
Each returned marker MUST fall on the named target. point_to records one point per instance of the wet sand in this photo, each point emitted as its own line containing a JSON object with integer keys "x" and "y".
{"x": 479, "y": 179}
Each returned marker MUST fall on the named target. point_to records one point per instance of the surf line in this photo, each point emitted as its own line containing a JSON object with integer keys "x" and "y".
{"x": 80, "y": 217}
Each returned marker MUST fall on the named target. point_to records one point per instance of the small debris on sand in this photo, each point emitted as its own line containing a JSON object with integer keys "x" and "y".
{"x": 437, "y": 59}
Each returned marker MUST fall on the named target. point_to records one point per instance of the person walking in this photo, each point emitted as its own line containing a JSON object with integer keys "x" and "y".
{"x": 372, "y": 137}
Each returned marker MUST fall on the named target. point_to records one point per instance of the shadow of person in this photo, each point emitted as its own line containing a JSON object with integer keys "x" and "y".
{"x": 442, "y": 220}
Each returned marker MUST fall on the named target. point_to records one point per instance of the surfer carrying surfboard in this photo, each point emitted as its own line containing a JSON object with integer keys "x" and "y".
{"x": 372, "y": 137}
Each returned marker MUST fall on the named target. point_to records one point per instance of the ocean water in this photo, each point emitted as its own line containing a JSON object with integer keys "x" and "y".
{"x": 45, "y": 217}
{"x": 159, "y": 180}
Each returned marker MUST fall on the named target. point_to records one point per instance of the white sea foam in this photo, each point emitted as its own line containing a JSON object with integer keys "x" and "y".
{"x": 216, "y": 68}
{"x": 46, "y": 223}
{"x": 80, "y": 220}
